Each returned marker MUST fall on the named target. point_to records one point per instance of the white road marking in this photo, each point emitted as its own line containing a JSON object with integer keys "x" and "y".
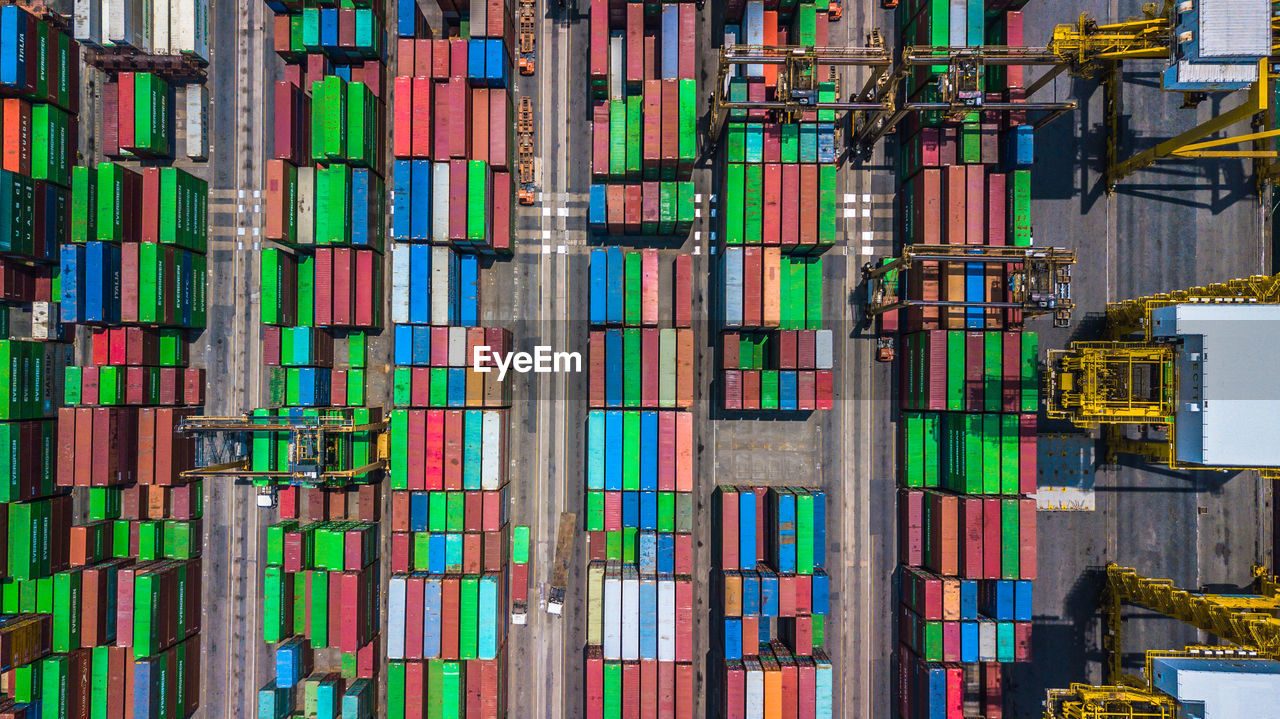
{"x": 867, "y": 235}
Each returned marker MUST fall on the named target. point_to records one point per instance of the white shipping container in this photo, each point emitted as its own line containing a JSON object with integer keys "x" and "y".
{"x": 755, "y": 690}
{"x": 440, "y": 202}
{"x": 44, "y": 320}
{"x": 307, "y": 205}
{"x": 114, "y": 23}
{"x": 616, "y": 73}
{"x": 160, "y": 11}
{"x": 140, "y": 12}
{"x": 959, "y": 26}
{"x": 197, "y": 122}
{"x": 986, "y": 641}
{"x": 88, "y": 22}
{"x": 822, "y": 349}
{"x": 667, "y": 620}
{"x": 494, "y": 456}
{"x": 396, "y": 618}
{"x": 479, "y": 18}
{"x": 442, "y": 260}
{"x": 753, "y": 29}
{"x": 612, "y": 646}
{"x": 630, "y": 614}
{"x": 400, "y": 284}
{"x": 457, "y": 346}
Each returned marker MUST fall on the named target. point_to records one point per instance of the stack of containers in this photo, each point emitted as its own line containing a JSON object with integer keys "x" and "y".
{"x": 633, "y": 362}
{"x": 639, "y": 499}
{"x": 970, "y": 384}
{"x": 322, "y": 587}
{"x": 644, "y": 117}
{"x": 39, "y": 99}
{"x": 452, "y": 207}
{"x": 773, "y": 598}
{"x": 779, "y": 209}
{"x": 452, "y": 137}
{"x": 306, "y": 371}
{"x": 786, "y": 370}
{"x": 137, "y": 118}
{"x": 136, "y": 250}
{"x": 320, "y": 592}
{"x": 121, "y": 592}
{"x": 163, "y": 28}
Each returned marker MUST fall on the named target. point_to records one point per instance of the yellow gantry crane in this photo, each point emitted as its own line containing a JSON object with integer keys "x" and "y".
{"x": 1089, "y": 49}
{"x": 1131, "y": 376}
{"x": 1248, "y": 623}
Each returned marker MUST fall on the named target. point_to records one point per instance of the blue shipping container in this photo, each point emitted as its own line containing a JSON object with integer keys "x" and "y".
{"x": 599, "y": 259}
{"x": 597, "y": 210}
{"x": 613, "y": 451}
{"x": 613, "y": 368}
{"x": 401, "y": 199}
{"x": 615, "y": 310}
{"x": 595, "y": 449}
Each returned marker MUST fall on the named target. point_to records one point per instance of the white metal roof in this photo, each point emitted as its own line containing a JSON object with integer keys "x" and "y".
{"x": 1235, "y": 28}
{"x": 1228, "y": 412}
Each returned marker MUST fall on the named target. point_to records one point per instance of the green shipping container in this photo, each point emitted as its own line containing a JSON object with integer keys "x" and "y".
{"x": 1009, "y": 539}
{"x": 734, "y": 197}
{"x": 1020, "y": 208}
{"x": 477, "y": 200}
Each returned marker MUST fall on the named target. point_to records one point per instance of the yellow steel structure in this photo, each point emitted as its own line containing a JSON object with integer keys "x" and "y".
{"x": 1083, "y": 701}
{"x": 1130, "y": 317}
{"x": 1105, "y": 382}
{"x": 1090, "y": 49}
{"x": 1128, "y": 378}
{"x": 1250, "y": 622}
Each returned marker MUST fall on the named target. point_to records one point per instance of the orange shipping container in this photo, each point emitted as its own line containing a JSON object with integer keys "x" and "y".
{"x": 684, "y": 368}
{"x": 771, "y": 287}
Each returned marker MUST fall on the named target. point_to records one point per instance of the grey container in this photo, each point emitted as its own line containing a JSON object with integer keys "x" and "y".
{"x": 822, "y": 342}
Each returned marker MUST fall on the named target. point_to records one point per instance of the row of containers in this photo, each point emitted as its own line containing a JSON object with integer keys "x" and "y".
{"x": 969, "y": 387}
{"x": 322, "y": 282}
{"x": 321, "y": 591}
{"x": 638, "y": 504}
{"x": 778, "y": 201}
{"x": 451, "y": 137}
{"x": 642, "y": 73}
{"x": 101, "y": 606}
{"x": 451, "y": 211}
{"x": 770, "y": 600}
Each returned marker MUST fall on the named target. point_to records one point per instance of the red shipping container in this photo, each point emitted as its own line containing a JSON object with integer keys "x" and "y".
{"x": 595, "y": 673}
{"x": 734, "y": 691}
{"x": 911, "y": 527}
{"x": 975, "y": 204}
{"x": 458, "y": 200}
{"x": 499, "y": 128}
{"x": 825, "y": 394}
{"x": 1027, "y": 454}
{"x": 684, "y": 691}
{"x": 649, "y": 367}
{"x": 1027, "y": 536}
{"x": 342, "y": 286}
{"x": 599, "y": 138}
{"x": 631, "y": 677}
{"x": 683, "y": 303}
{"x": 808, "y": 210}
{"x": 684, "y": 554}
{"x": 365, "y": 279}
{"x": 752, "y": 276}
{"x": 733, "y": 390}
{"x": 453, "y": 440}
{"x": 688, "y": 33}
{"x": 772, "y": 221}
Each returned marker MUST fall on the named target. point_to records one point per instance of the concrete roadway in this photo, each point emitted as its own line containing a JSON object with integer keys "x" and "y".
{"x": 236, "y": 662}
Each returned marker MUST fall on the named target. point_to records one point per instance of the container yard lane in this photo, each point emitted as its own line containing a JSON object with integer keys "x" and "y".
{"x": 235, "y": 662}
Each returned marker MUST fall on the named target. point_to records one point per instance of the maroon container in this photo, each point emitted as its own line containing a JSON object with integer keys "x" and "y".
{"x": 683, "y": 303}
{"x": 911, "y": 527}
{"x": 688, "y": 32}
{"x": 458, "y": 201}
{"x": 971, "y": 518}
{"x": 808, "y": 210}
{"x": 500, "y": 232}
{"x": 499, "y": 128}
{"x": 806, "y": 390}
{"x": 633, "y": 208}
{"x": 670, "y": 125}
{"x": 733, "y": 390}
{"x": 634, "y": 46}
{"x": 600, "y": 138}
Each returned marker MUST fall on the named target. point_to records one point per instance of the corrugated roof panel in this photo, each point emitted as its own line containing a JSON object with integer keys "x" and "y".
{"x": 1235, "y": 28}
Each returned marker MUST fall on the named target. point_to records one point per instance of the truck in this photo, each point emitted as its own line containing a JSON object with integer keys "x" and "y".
{"x": 560, "y": 568}
{"x": 520, "y": 575}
